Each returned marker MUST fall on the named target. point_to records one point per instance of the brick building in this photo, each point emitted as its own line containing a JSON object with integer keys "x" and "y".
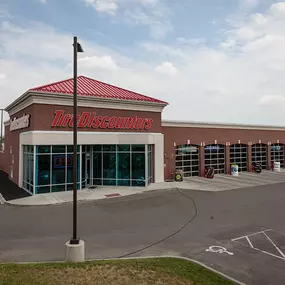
{"x": 122, "y": 140}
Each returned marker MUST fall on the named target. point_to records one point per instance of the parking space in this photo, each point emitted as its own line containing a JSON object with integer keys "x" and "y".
{"x": 268, "y": 241}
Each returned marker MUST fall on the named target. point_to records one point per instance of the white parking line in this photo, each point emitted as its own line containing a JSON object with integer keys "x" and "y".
{"x": 277, "y": 248}
{"x": 251, "y": 234}
{"x": 249, "y": 242}
{"x": 247, "y": 237}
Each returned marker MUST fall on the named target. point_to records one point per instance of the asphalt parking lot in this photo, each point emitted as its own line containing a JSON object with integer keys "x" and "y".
{"x": 10, "y": 190}
{"x": 246, "y": 224}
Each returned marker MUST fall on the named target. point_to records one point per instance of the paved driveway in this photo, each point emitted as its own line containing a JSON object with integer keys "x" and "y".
{"x": 184, "y": 222}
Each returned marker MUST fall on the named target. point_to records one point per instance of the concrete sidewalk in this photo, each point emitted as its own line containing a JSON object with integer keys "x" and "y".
{"x": 219, "y": 183}
{"x": 87, "y": 194}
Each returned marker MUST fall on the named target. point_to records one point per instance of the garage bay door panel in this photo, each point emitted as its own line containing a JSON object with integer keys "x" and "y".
{"x": 238, "y": 155}
{"x": 277, "y": 153}
{"x": 259, "y": 154}
{"x": 215, "y": 157}
{"x": 187, "y": 159}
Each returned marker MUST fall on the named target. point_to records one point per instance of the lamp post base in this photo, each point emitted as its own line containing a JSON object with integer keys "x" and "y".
{"x": 75, "y": 252}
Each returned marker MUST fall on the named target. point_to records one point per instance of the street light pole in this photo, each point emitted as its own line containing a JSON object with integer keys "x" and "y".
{"x": 75, "y": 239}
{"x": 76, "y": 48}
{"x": 75, "y": 247}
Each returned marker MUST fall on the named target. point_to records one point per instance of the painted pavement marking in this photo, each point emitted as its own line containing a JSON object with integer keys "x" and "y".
{"x": 249, "y": 242}
{"x": 218, "y": 249}
{"x": 277, "y": 248}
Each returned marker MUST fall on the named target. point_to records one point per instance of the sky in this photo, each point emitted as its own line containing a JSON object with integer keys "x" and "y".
{"x": 211, "y": 60}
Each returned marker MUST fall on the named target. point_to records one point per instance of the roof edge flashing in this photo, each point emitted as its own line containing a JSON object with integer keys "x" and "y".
{"x": 196, "y": 124}
{"x": 87, "y": 98}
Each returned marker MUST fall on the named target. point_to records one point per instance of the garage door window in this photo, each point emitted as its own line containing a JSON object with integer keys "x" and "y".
{"x": 277, "y": 153}
{"x": 238, "y": 155}
{"x": 258, "y": 152}
{"x": 215, "y": 157}
{"x": 187, "y": 159}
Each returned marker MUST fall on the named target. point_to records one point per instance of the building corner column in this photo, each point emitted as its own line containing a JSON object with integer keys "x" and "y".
{"x": 249, "y": 157}
{"x": 159, "y": 159}
{"x": 227, "y": 159}
{"x": 202, "y": 159}
{"x": 172, "y": 162}
{"x": 268, "y": 155}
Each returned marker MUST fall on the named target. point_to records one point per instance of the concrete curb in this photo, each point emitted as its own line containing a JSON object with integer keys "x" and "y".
{"x": 147, "y": 257}
{"x": 188, "y": 259}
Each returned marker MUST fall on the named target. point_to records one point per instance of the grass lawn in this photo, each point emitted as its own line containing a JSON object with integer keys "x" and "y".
{"x": 160, "y": 271}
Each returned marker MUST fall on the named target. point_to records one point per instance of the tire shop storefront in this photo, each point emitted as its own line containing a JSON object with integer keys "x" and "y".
{"x": 192, "y": 147}
{"x": 122, "y": 140}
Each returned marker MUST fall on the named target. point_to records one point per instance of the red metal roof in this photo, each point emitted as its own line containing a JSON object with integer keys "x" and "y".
{"x": 90, "y": 87}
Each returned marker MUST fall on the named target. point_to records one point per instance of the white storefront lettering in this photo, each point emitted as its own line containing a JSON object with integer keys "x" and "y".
{"x": 20, "y": 123}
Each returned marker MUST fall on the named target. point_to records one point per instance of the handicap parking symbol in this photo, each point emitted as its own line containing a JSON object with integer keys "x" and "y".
{"x": 218, "y": 249}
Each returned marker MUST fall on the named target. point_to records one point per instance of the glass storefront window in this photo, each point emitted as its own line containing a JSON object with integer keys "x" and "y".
{"x": 28, "y": 168}
{"x": 43, "y": 149}
{"x": 124, "y": 162}
{"x": 138, "y": 166}
{"x": 70, "y": 148}
{"x": 58, "y": 149}
{"x": 97, "y": 147}
{"x": 58, "y": 168}
{"x": 58, "y": 188}
{"x": 121, "y": 165}
{"x": 109, "y": 165}
{"x": 42, "y": 189}
{"x": 83, "y": 168}
{"x": 109, "y": 147}
{"x": 149, "y": 161}
{"x": 70, "y": 168}
{"x": 124, "y": 147}
{"x": 124, "y": 182}
{"x": 97, "y": 165}
{"x": 43, "y": 169}
{"x": 138, "y": 147}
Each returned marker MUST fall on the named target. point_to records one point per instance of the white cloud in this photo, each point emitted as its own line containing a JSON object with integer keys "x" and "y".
{"x": 104, "y": 62}
{"x": 2, "y": 78}
{"x": 249, "y": 3}
{"x": 194, "y": 41}
{"x": 166, "y": 68}
{"x": 228, "y": 83}
{"x": 43, "y": 1}
{"x": 153, "y": 14}
{"x": 158, "y": 27}
{"x": 272, "y": 100}
{"x": 104, "y": 6}
{"x": 148, "y": 2}
{"x": 278, "y": 8}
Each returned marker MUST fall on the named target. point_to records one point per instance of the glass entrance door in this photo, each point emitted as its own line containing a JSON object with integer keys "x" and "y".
{"x": 88, "y": 169}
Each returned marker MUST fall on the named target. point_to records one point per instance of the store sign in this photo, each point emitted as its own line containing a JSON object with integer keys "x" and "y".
{"x": 212, "y": 147}
{"x": 276, "y": 147}
{"x": 189, "y": 149}
{"x": 20, "y": 123}
{"x": 93, "y": 120}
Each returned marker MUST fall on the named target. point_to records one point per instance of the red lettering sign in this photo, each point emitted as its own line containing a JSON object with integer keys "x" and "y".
{"x": 92, "y": 120}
